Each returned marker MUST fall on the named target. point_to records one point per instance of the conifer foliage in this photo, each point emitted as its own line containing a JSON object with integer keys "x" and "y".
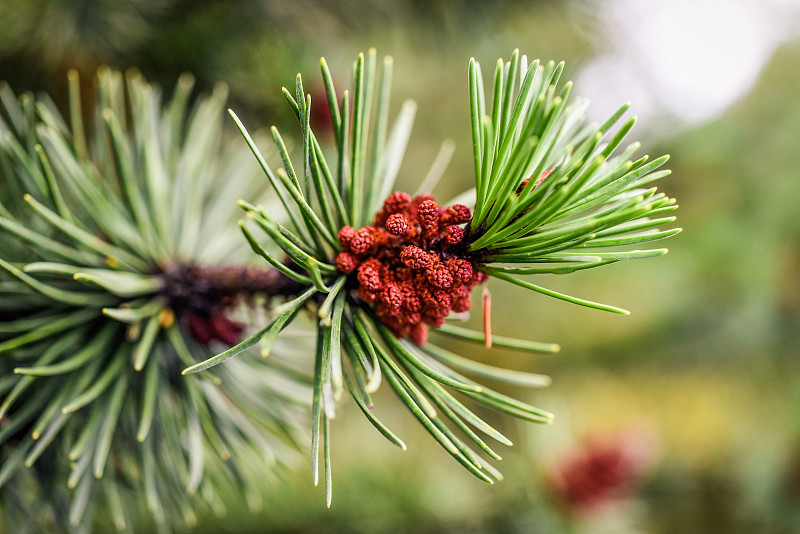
{"x": 121, "y": 274}
{"x": 552, "y": 195}
{"x": 115, "y": 273}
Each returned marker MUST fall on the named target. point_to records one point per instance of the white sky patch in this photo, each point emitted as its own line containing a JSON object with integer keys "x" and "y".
{"x": 687, "y": 60}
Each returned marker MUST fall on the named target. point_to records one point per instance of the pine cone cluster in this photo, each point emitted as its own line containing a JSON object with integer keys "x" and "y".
{"x": 410, "y": 264}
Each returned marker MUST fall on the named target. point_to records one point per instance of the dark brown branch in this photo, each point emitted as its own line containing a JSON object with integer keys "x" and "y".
{"x": 206, "y": 289}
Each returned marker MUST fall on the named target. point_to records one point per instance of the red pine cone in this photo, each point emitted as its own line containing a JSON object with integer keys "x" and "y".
{"x": 397, "y": 224}
{"x": 346, "y": 262}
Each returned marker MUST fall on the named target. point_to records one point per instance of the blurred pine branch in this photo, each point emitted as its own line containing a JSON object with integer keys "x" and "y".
{"x": 116, "y": 272}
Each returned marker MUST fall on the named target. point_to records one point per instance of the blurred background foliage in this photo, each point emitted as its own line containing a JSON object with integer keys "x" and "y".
{"x": 687, "y": 413}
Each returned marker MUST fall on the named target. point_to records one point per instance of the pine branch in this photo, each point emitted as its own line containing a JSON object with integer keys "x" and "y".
{"x": 549, "y": 189}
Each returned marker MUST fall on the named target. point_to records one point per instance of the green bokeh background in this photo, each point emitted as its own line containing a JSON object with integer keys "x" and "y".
{"x": 706, "y": 366}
